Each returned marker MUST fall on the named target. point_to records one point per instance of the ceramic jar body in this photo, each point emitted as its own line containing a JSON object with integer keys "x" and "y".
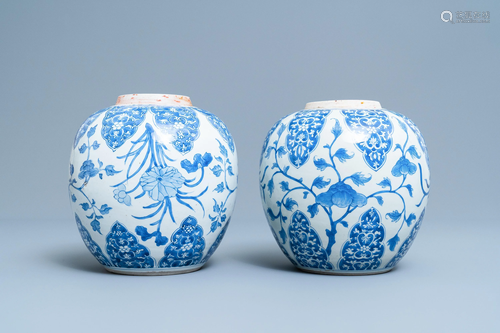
{"x": 344, "y": 185}
{"x": 153, "y": 184}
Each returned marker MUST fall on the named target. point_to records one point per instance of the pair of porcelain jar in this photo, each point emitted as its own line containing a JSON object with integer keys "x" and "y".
{"x": 153, "y": 182}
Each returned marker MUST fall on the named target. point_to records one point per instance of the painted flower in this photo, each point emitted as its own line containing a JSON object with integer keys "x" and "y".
{"x": 341, "y": 195}
{"x": 121, "y": 195}
{"x": 88, "y": 170}
{"x": 403, "y": 167}
{"x": 162, "y": 182}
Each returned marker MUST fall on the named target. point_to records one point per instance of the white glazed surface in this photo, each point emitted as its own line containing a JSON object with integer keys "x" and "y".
{"x": 288, "y": 170}
{"x": 205, "y": 188}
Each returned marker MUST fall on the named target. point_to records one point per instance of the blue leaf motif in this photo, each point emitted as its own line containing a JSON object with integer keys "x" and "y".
{"x": 230, "y": 170}
{"x": 394, "y": 216}
{"x": 380, "y": 200}
{"x": 143, "y": 232}
{"x": 198, "y": 162}
{"x": 160, "y": 240}
{"x": 83, "y": 148}
{"x": 289, "y": 203}
{"x": 410, "y": 189}
{"x": 413, "y": 152}
{"x": 410, "y": 219}
{"x": 337, "y": 130}
{"x": 219, "y": 188}
{"x": 270, "y": 187}
{"x": 73, "y": 198}
{"x": 283, "y": 235}
{"x": 344, "y": 224}
{"x": 95, "y": 145}
{"x": 281, "y": 129}
{"x": 215, "y": 224}
{"x": 320, "y": 183}
{"x": 305, "y": 195}
{"x": 217, "y": 170}
{"x": 284, "y": 186}
{"x": 281, "y": 151}
{"x": 393, "y": 242}
{"x": 313, "y": 209}
{"x": 104, "y": 209}
{"x": 91, "y": 131}
{"x": 359, "y": 179}
{"x": 85, "y": 206}
{"x": 403, "y": 126}
{"x": 343, "y": 155}
{"x": 386, "y": 182}
{"x": 100, "y": 163}
{"x": 96, "y": 226}
{"x": 321, "y": 164}
{"x": 71, "y": 169}
{"x": 222, "y": 149}
{"x": 110, "y": 170}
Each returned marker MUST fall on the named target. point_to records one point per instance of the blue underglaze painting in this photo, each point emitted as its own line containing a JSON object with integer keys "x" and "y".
{"x": 333, "y": 184}
{"x": 90, "y": 244}
{"x": 407, "y": 243}
{"x": 216, "y": 244}
{"x": 120, "y": 123}
{"x": 306, "y": 244}
{"x": 181, "y": 123}
{"x": 365, "y": 246}
{"x": 303, "y": 135}
{"x": 85, "y": 126}
{"x": 220, "y": 127}
{"x": 125, "y": 250}
{"x": 376, "y": 128}
{"x": 186, "y": 245}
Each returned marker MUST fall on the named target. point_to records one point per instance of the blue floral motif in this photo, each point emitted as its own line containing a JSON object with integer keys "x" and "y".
{"x": 90, "y": 120}
{"x": 91, "y": 245}
{"x": 220, "y": 127}
{"x": 120, "y": 194}
{"x": 407, "y": 243}
{"x": 305, "y": 243}
{"x": 216, "y": 244}
{"x": 415, "y": 130}
{"x": 120, "y": 123}
{"x": 124, "y": 249}
{"x": 341, "y": 195}
{"x": 376, "y": 127}
{"x": 403, "y": 167}
{"x": 160, "y": 183}
{"x": 304, "y": 134}
{"x": 181, "y": 123}
{"x": 186, "y": 247}
{"x": 88, "y": 170}
{"x": 365, "y": 246}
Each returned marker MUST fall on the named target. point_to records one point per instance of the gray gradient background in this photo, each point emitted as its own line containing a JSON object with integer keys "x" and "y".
{"x": 250, "y": 63}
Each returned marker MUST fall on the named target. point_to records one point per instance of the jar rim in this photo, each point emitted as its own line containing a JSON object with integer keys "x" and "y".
{"x": 154, "y": 99}
{"x": 344, "y": 104}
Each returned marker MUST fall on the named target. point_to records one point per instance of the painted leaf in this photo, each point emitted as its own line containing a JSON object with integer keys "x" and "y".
{"x": 343, "y": 155}
{"x": 289, "y": 203}
{"x": 320, "y": 183}
{"x": 359, "y": 179}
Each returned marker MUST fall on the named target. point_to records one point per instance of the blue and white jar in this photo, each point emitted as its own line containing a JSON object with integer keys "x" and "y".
{"x": 344, "y": 185}
{"x": 152, "y": 184}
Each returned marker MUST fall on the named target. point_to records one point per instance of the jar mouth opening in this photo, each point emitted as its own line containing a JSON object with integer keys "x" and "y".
{"x": 344, "y": 104}
{"x": 154, "y": 99}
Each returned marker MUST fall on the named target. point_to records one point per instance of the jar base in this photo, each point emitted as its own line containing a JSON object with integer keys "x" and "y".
{"x": 327, "y": 272}
{"x": 154, "y": 271}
